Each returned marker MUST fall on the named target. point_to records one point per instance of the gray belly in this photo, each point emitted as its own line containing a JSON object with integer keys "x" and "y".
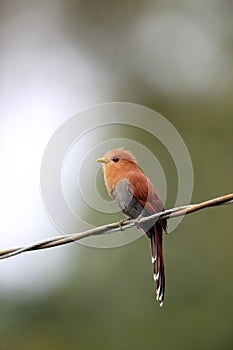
{"x": 126, "y": 201}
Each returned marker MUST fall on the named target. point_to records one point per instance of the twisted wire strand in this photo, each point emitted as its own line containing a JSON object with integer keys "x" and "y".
{"x": 117, "y": 226}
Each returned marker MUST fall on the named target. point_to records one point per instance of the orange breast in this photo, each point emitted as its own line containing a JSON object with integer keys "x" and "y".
{"x": 115, "y": 172}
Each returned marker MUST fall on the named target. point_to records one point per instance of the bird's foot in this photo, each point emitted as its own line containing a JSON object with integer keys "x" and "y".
{"x": 122, "y": 221}
{"x": 121, "y": 224}
{"x": 136, "y": 221}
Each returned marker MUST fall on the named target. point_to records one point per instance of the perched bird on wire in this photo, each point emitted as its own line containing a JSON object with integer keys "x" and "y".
{"x": 135, "y": 195}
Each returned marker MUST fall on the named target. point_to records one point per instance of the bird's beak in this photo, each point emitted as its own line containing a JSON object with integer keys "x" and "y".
{"x": 102, "y": 160}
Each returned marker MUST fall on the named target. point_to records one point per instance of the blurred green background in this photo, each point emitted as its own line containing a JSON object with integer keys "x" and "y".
{"x": 174, "y": 57}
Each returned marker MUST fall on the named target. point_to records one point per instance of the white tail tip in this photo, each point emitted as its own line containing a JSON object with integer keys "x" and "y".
{"x": 153, "y": 259}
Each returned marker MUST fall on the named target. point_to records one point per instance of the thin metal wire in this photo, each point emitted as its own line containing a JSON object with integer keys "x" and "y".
{"x": 117, "y": 226}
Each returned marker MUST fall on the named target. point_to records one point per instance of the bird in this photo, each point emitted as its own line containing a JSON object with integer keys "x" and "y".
{"x": 135, "y": 195}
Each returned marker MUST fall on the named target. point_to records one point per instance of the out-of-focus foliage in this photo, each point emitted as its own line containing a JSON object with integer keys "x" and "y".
{"x": 175, "y": 57}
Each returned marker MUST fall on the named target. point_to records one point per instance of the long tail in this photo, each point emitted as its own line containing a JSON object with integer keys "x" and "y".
{"x": 157, "y": 261}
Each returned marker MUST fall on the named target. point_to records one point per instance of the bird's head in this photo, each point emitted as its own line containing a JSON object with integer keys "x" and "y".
{"x": 117, "y": 157}
{"x": 116, "y": 164}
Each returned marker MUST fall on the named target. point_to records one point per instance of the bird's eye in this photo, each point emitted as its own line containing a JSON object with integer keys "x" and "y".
{"x": 115, "y": 159}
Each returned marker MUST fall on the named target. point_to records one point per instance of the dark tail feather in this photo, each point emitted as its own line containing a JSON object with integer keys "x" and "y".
{"x": 157, "y": 261}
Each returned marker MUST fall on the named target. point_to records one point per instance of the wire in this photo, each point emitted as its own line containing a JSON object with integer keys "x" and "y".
{"x": 117, "y": 226}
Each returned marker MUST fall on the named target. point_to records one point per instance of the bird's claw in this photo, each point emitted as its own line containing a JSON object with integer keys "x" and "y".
{"x": 136, "y": 221}
{"x": 122, "y": 221}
